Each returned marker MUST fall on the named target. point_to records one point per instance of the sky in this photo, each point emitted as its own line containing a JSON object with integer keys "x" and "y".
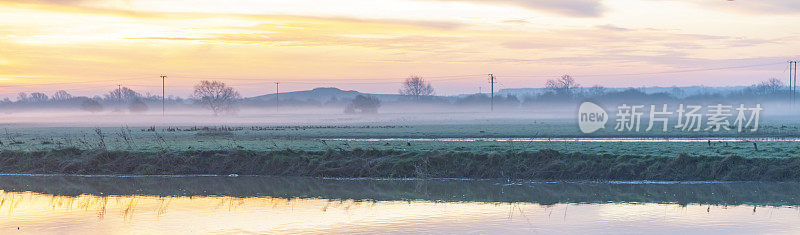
{"x": 90, "y": 46}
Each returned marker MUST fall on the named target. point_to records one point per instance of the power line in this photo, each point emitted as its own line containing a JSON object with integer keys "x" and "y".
{"x": 654, "y": 73}
{"x": 385, "y": 80}
{"x": 179, "y": 76}
{"x": 373, "y": 80}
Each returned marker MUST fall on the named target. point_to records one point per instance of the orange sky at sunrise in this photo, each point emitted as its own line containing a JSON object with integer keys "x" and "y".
{"x": 87, "y": 47}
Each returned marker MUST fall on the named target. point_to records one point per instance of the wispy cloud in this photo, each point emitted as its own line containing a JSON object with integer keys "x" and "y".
{"x": 92, "y": 39}
{"x": 770, "y": 7}
{"x": 577, "y": 8}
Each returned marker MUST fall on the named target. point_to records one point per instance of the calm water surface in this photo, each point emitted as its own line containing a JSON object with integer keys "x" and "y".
{"x": 583, "y": 139}
{"x": 258, "y": 205}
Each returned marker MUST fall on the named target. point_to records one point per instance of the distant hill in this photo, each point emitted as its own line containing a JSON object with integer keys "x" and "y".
{"x": 675, "y": 91}
{"x": 322, "y": 94}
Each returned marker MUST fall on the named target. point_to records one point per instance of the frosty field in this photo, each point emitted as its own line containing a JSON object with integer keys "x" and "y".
{"x": 388, "y": 146}
{"x": 772, "y": 140}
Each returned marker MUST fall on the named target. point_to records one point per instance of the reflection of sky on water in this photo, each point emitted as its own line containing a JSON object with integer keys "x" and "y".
{"x": 585, "y": 139}
{"x": 44, "y": 213}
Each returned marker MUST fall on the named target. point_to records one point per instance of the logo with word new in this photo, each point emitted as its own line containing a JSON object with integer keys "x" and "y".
{"x": 591, "y": 117}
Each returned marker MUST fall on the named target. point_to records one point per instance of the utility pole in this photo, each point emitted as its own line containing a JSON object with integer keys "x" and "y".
{"x": 793, "y": 85}
{"x": 792, "y": 82}
{"x": 119, "y": 96}
{"x": 163, "y": 95}
{"x": 491, "y": 81}
{"x": 277, "y": 97}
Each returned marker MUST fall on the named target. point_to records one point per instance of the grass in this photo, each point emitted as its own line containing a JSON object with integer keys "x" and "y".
{"x": 739, "y": 193}
{"x": 543, "y": 164}
{"x": 299, "y": 151}
{"x": 272, "y": 138}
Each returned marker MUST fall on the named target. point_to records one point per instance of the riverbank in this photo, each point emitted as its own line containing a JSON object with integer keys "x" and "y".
{"x": 539, "y": 165}
{"x": 434, "y": 190}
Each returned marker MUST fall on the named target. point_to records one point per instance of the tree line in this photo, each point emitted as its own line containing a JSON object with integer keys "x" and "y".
{"x": 221, "y": 99}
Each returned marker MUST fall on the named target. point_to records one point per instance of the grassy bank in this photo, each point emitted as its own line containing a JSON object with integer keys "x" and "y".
{"x": 542, "y": 164}
{"x": 740, "y": 193}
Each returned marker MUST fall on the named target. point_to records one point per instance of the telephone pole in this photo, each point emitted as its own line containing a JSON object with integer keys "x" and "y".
{"x": 163, "y": 95}
{"x": 491, "y": 81}
{"x": 119, "y": 96}
{"x": 792, "y": 82}
{"x": 277, "y": 97}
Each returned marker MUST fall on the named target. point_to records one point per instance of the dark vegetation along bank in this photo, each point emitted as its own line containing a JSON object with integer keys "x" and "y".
{"x": 738, "y": 193}
{"x": 544, "y": 164}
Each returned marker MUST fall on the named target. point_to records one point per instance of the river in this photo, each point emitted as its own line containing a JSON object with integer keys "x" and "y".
{"x": 259, "y": 204}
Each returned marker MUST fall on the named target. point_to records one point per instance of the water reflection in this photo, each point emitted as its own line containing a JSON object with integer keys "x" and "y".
{"x": 150, "y": 205}
{"x": 582, "y": 139}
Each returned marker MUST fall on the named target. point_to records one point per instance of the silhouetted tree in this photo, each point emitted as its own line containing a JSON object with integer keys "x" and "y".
{"x": 137, "y": 106}
{"x": 366, "y": 104}
{"x": 38, "y": 97}
{"x": 216, "y": 96}
{"x": 474, "y": 99}
{"x": 122, "y": 95}
{"x": 597, "y": 91}
{"x": 91, "y": 105}
{"x": 416, "y": 87}
{"x": 61, "y": 95}
{"x": 767, "y": 87}
{"x": 678, "y": 92}
{"x": 564, "y": 86}
{"x": 22, "y": 97}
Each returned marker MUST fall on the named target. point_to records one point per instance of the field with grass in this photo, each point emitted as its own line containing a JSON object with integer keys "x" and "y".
{"x": 491, "y": 148}
{"x": 442, "y": 137}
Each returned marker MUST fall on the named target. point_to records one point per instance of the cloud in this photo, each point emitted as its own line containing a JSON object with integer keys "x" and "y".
{"x": 770, "y": 7}
{"x": 614, "y": 36}
{"x": 516, "y": 21}
{"x": 313, "y": 32}
{"x": 58, "y": 2}
{"x": 612, "y": 27}
{"x": 85, "y": 7}
{"x": 576, "y": 8}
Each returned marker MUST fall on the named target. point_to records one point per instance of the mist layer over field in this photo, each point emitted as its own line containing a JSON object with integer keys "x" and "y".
{"x": 401, "y": 139}
{"x": 389, "y": 115}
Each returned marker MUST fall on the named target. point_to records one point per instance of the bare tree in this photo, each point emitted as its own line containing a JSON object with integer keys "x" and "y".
{"x": 366, "y": 104}
{"x": 91, "y": 105}
{"x": 597, "y": 91}
{"x": 216, "y": 96}
{"x": 678, "y": 92}
{"x": 122, "y": 95}
{"x": 416, "y": 87}
{"x": 565, "y": 85}
{"x": 38, "y": 97}
{"x": 22, "y": 97}
{"x": 771, "y": 86}
{"x": 61, "y": 95}
{"x": 138, "y": 106}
